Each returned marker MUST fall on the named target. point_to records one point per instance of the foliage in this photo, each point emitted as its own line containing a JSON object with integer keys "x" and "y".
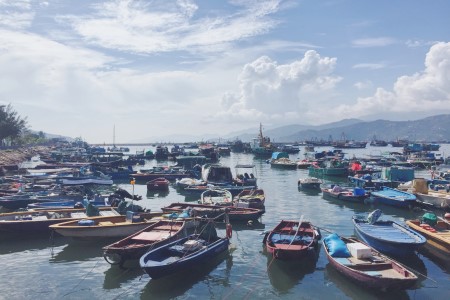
{"x": 11, "y": 124}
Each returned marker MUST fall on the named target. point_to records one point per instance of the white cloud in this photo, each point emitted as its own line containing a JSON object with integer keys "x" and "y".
{"x": 163, "y": 26}
{"x": 270, "y": 91}
{"x": 428, "y": 90}
{"x": 373, "y": 42}
{"x": 15, "y": 14}
{"x": 362, "y": 85}
{"x": 370, "y": 66}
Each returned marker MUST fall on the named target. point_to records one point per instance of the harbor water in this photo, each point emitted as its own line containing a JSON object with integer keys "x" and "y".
{"x": 54, "y": 267}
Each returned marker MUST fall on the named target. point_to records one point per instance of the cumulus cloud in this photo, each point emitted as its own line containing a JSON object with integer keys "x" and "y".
{"x": 428, "y": 90}
{"x": 275, "y": 91}
{"x": 163, "y": 26}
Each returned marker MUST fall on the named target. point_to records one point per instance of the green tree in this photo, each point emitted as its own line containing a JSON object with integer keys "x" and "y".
{"x": 11, "y": 124}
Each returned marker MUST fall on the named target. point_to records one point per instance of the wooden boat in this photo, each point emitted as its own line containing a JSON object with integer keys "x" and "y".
{"x": 106, "y": 227}
{"x": 288, "y": 240}
{"x": 366, "y": 266}
{"x": 393, "y": 197}
{"x": 310, "y": 183}
{"x": 357, "y": 195}
{"x": 216, "y": 196}
{"x": 250, "y": 198}
{"x": 183, "y": 254}
{"x": 35, "y": 221}
{"x": 438, "y": 236}
{"x": 388, "y": 237}
{"x": 66, "y": 204}
{"x": 158, "y": 184}
{"x": 216, "y": 211}
{"x": 135, "y": 245}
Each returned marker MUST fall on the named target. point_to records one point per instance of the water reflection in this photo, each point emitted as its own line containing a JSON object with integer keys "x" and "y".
{"x": 179, "y": 284}
{"x": 115, "y": 277}
{"x": 12, "y": 243}
{"x": 156, "y": 194}
{"x": 80, "y": 251}
{"x": 285, "y": 274}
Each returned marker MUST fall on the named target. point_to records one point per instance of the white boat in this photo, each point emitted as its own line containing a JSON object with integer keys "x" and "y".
{"x": 106, "y": 227}
{"x": 216, "y": 196}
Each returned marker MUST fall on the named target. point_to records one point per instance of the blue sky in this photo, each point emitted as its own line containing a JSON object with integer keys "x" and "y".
{"x": 155, "y": 69}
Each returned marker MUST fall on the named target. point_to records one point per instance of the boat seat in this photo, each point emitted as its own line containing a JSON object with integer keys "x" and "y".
{"x": 343, "y": 261}
{"x": 151, "y": 236}
{"x": 373, "y": 273}
{"x": 106, "y": 223}
{"x": 107, "y": 213}
{"x": 78, "y": 215}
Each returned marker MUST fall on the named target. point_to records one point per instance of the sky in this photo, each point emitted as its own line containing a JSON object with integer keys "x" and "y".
{"x": 140, "y": 71}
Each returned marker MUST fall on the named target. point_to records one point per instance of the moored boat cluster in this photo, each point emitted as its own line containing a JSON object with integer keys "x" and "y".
{"x": 72, "y": 193}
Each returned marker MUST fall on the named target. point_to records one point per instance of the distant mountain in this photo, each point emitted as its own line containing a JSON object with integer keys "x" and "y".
{"x": 435, "y": 128}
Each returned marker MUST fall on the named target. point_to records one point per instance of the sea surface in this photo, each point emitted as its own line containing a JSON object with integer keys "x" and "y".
{"x": 54, "y": 267}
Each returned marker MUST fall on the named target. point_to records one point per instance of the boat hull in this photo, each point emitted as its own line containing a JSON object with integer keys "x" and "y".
{"x": 159, "y": 263}
{"x": 380, "y": 274}
{"x": 389, "y": 237}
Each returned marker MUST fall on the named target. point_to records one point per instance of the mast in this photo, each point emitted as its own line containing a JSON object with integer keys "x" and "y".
{"x": 114, "y": 136}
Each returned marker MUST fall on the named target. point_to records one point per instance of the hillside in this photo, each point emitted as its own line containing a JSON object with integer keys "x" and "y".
{"x": 435, "y": 128}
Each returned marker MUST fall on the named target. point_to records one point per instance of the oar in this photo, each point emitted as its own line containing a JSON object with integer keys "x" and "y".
{"x": 298, "y": 229}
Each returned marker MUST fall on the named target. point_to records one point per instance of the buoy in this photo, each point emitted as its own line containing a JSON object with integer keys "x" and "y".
{"x": 447, "y": 215}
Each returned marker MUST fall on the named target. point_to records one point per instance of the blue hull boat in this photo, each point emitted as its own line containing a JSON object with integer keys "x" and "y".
{"x": 393, "y": 197}
{"x": 183, "y": 254}
{"x": 388, "y": 237}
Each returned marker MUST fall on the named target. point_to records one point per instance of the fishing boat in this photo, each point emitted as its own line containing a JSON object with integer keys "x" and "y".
{"x": 250, "y": 198}
{"x": 169, "y": 173}
{"x": 289, "y": 240}
{"x": 281, "y": 160}
{"x": 393, "y": 197}
{"x": 366, "y": 266}
{"x": 158, "y": 184}
{"x": 333, "y": 167}
{"x": 439, "y": 198}
{"x": 35, "y": 221}
{"x": 185, "y": 253}
{"x": 216, "y": 211}
{"x": 357, "y": 195}
{"x": 216, "y": 196}
{"x": 137, "y": 244}
{"x": 310, "y": 183}
{"x": 388, "y": 237}
{"x": 106, "y": 227}
{"x": 245, "y": 175}
{"x": 437, "y": 233}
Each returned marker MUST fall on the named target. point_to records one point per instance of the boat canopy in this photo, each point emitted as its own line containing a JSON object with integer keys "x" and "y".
{"x": 278, "y": 155}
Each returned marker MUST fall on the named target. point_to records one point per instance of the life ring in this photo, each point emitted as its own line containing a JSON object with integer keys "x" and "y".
{"x": 229, "y": 231}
